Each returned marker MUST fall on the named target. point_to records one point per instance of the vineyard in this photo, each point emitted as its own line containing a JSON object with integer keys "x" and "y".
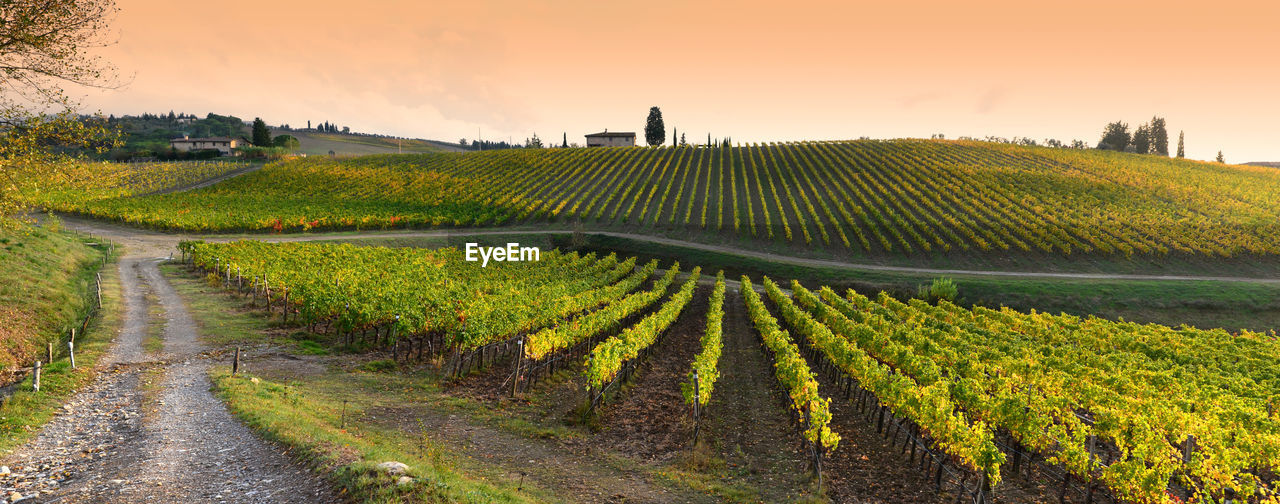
{"x": 899, "y": 197}
{"x": 1126, "y": 412}
{"x": 74, "y": 183}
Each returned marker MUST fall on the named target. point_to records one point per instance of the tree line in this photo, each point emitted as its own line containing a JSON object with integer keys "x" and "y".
{"x": 1148, "y": 138}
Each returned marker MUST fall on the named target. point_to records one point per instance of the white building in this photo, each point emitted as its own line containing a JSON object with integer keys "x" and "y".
{"x": 224, "y": 145}
{"x": 607, "y": 139}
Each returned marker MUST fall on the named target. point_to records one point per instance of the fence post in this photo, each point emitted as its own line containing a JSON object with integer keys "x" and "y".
{"x": 99, "y": 290}
{"x": 71, "y": 352}
{"x": 235, "y": 362}
{"x": 35, "y": 380}
{"x": 49, "y": 357}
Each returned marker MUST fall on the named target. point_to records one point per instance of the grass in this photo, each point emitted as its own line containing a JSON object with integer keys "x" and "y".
{"x": 48, "y": 278}
{"x": 312, "y": 425}
{"x": 25, "y": 411}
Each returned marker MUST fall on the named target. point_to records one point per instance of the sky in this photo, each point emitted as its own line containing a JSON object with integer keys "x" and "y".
{"x": 752, "y": 71}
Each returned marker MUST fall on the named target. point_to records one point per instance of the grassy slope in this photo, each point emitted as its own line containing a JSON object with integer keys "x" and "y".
{"x": 48, "y": 276}
{"x": 54, "y": 267}
{"x": 319, "y": 144}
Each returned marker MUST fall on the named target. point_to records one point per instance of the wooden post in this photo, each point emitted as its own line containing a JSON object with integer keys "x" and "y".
{"x": 99, "y": 290}
{"x": 1188, "y": 448}
{"x": 515, "y": 381}
{"x": 35, "y": 379}
{"x": 697, "y": 414}
{"x": 235, "y": 362}
{"x": 73, "y": 335}
{"x": 71, "y": 352}
{"x": 49, "y": 357}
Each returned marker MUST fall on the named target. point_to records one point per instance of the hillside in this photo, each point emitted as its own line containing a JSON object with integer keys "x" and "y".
{"x": 315, "y": 143}
{"x": 860, "y": 199}
{"x": 48, "y": 277}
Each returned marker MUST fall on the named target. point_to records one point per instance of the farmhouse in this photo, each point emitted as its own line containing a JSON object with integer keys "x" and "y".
{"x": 607, "y": 139}
{"x": 222, "y": 144}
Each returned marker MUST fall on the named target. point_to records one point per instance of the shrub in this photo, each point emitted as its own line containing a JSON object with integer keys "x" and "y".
{"x": 939, "y": 289}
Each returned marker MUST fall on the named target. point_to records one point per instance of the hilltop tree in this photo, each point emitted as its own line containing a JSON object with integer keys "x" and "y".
{"x": 1142, "y": 139}
{"x": 1220, "y": 159}
{"x": 1181, "y": 151}
{"x": 654, "y": 132}
{"x": 261, "y": 135}
{"x": 287, "y": 142}
{"x": 43, "y": 46}
{"x": 533, "y": 143}
{"x": 564, "y": 142}
{"x": 1159, "y": 137}
{"x": 1115, "y": 136}
{"x": 674, "y": 137}
{"x": 682, "y": 142}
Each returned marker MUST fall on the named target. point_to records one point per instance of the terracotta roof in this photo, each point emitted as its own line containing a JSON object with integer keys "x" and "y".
{"x": 613, "y": 134}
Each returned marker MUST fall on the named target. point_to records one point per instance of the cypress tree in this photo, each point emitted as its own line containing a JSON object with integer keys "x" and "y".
{"x": 655, "y": 133}
{"x": 1159, "y": 136}
{"x": 1181, "y": 152}
{"x": 1220, "y": 159}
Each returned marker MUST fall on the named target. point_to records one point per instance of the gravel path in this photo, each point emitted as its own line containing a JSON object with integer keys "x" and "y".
{"x": 109, "y": 445}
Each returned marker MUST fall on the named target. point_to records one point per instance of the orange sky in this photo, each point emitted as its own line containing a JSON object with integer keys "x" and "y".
{"x": 756, "y": 71}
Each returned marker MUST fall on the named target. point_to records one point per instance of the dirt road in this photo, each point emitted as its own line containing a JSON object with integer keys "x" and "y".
{"x": 149, "y": 430}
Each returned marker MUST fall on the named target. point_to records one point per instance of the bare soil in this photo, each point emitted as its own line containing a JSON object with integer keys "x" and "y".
{"x": 648, "y": 418}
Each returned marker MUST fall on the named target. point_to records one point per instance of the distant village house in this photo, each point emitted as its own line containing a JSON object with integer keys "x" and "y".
{"x": 607, "y": 139}
{"x": 223, "y": 145}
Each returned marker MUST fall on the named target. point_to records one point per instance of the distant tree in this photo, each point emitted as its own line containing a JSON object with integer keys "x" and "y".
{"x": 346, "y": 129}
{"x": 564, "y": 141}
{"x": 1182, "y": 152}
{"x": 1159, "y": 137}
{"x": 308, "y": 123}
{"x": 287, "y": 142}
{"x": 462, "y": 143}
{"x": 708, "y": 139}
{"x": 654, "y": 132}
{"x": 261, "y": 135}
{"x": 674, "y": 138}
{"x": 1142, "y": 139}
{"x": 682, "y": 142}
{"x": 1220, "y": 159}
{"x": 533, "y": 143}
{"x": 1115, "y": 136}
{"x": 172, "y": 118}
